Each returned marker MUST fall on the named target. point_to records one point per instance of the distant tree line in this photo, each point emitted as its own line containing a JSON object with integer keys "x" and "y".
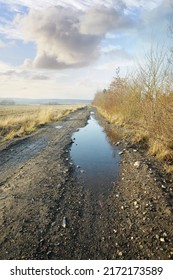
{"x": 7, "y": 102}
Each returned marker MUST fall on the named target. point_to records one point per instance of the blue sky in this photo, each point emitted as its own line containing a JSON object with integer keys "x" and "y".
{"x": 71, "y": 49}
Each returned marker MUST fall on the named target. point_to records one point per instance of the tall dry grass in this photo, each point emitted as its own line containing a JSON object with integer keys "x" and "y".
{"x": 143, "y": 102}
{"x": 17, "y": 121}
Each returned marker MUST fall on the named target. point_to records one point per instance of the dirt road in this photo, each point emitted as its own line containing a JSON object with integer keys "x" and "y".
{"x": 46, "y": 213}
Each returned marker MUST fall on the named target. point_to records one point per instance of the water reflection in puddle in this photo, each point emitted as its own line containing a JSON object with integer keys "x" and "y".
{"x": 97, "y": 158}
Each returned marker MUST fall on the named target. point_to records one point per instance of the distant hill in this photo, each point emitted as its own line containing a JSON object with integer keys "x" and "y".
{"x": 28, "y": 101}
{"x": 7, "y": 102}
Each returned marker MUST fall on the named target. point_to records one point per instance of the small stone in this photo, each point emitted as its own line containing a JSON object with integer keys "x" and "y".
{"x": 82, "y": 171}
{"x": 120, "y": 254}
{"x": 135, "y": 203}
{"x": 120, "y": 153}
{"x": 78, "y": 166}
{"x": 167, "y": 211}
{"x": 66, "y": 159}
{"x": 64, "y": 222}
{"x": 137, "y": 164}
{"x": 165, "y": 234}
{"x": 162, "y": 239}
{"x": 122, "y": 207}
{"x": 163, "y": 187}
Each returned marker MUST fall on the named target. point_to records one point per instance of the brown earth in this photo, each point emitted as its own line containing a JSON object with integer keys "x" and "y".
{"x": 46, "y": 213}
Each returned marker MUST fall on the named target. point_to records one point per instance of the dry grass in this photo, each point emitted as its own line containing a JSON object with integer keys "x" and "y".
{"x": 160, "y": 150}
{"x": 144, "y": 104}
{"x": 168, "y": 168}
{"x": 17, "y": 121}
{"x": 140, "y": 136}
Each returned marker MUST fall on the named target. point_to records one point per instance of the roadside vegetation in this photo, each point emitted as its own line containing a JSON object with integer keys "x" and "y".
{"x": 142, "y": 102}
{"x": 17, "y": 121}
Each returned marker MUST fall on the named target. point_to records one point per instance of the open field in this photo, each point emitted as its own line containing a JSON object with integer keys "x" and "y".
{"x": 17, "y": 121}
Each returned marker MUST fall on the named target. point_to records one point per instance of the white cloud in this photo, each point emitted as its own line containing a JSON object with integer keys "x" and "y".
{"x": 18, "y": 73}
{"x": 6, "y": 44}
{"x": 111, "y": 36}
{"x": 159, "y": 13}
{"x": 118, "y": 53}
{"x": 42, "y": 4}
{"x": 5, "y": 66}
{"x": 59, "y": 43}
{"x": 2, "y": 44}
{"x": 99, "y": 20}
{"x": 82, "y": 4}
{"x": 123, "y": 63}
{"x": 67, "y": 38}
{"x": 72, "y": 35}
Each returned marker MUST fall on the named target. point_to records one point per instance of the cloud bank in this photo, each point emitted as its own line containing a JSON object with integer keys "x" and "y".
{"x": 72, "y": 34}
{"x": 99, "y": 20}
{"x": 69, "y": 38}
{"x": 2, "y": 44}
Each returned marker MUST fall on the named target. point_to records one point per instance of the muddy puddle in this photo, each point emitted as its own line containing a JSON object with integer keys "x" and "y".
{"x": 97, "y": 161}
